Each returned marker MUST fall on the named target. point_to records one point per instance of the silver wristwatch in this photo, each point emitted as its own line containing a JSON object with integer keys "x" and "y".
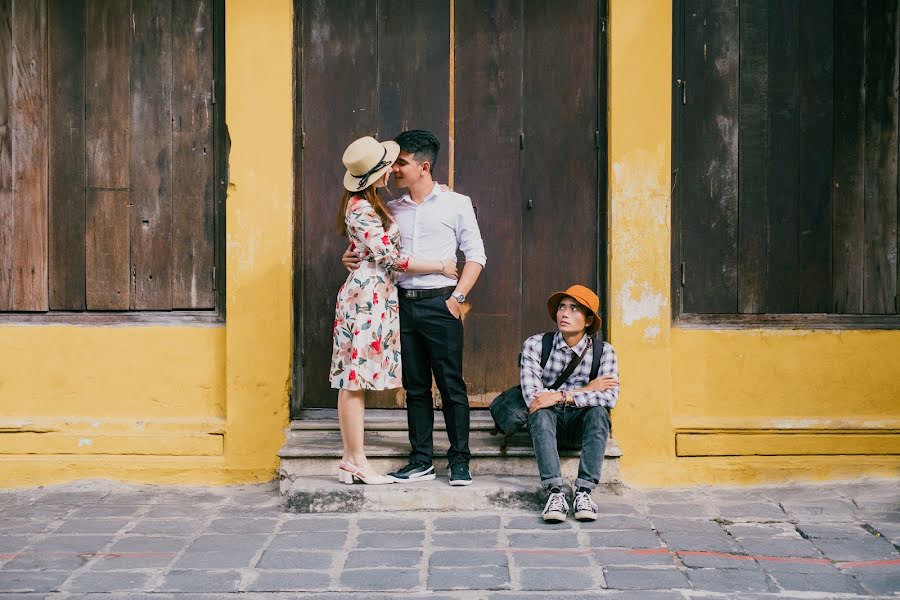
{"x": 461, "y": 298}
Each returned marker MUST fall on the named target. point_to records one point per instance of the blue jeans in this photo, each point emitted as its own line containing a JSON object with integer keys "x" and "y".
{"x": 571, "y": 428}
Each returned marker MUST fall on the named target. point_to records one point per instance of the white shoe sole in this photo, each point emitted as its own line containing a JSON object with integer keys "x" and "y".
{"x": 456, "y": 482}
{"x": 416, "y": 479}
{"x": 553, "y": 517}
{"x": 586, "y": 516}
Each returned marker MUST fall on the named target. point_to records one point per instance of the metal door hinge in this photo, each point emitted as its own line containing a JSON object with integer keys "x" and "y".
{"x": 603, "y": 25}
{"x": 521, "y": 140}
{"x": 682, "y": 274}
{"x": 214, "y": 278}
{"x": 596, "y": 139}
{"x": 212, "y": 92}
{"x": 302, "y": 138}
{"x": 683, "y": 84}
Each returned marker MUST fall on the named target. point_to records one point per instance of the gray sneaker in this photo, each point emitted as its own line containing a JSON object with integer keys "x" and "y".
{"x": 585, "y": 508}
{"x": 557, "y": 508}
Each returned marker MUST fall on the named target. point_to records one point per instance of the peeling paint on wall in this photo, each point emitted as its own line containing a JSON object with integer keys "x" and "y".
{"x": 651, "y": 333}
{"x": 646, "y": 304}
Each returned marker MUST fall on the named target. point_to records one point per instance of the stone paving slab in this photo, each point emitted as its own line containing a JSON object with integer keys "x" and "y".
{"x": 106, "y": 540}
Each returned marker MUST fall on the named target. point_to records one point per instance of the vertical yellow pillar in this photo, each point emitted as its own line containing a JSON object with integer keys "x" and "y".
{"x": 640, "y": 67}
{"x": 259, "y": 115}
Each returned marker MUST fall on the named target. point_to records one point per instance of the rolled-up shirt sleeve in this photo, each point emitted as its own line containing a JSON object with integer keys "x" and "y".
{"x": 609, "y": 365}
{"x": 468, "y": 235}
{"x": 530, "y": 370}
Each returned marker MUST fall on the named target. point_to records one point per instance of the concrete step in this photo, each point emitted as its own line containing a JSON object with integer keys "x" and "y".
{"x": 313, "y": 448}
{"x": 487, "y": 493}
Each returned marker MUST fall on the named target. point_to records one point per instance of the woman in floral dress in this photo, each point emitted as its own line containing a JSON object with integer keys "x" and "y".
{"x": 366, "y": 347}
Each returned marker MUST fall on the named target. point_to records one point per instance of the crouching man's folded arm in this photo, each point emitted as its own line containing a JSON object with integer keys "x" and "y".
{"x": 604, "y": 390}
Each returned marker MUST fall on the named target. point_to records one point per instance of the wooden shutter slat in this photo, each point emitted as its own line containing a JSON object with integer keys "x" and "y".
{"x": 107, "y": 93}
{"x": 7, "y": 196}
{"x": 106, "y": 243}
{"x": 29, "y": 130}
{"x": 150, "y": 164}
{"x": 783, "y": 280}
{"x": 193, "y": 241}
{"x": 815, "y": 127}
{"x": 880, "y": 281}
{"x": 107, "y": 128}
{"x": 710, "y": 173}
{"x": 753, "y": 152}
{"x": 65, "y": 23}
{"x": 488, "y": 75}
{"x": 849, "y": 155}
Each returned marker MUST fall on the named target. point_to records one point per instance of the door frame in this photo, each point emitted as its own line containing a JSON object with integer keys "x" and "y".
{"x": 295, "y": 393}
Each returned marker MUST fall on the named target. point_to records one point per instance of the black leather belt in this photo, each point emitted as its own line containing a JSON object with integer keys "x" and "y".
{"x": 421, "y": 294}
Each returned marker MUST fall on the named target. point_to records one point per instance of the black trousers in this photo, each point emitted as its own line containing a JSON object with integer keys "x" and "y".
{"x": 431, "y": 343}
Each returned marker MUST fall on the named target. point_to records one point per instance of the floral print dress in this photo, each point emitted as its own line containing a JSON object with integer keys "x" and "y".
{"x": 366, "y": 349}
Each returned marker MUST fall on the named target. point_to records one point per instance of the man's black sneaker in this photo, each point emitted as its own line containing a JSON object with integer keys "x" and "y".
{"x": 585, "y": 508}
{"x": 556, "y": 508}
{"x": 459, "y": 474}
{"x": 414, "y": 471}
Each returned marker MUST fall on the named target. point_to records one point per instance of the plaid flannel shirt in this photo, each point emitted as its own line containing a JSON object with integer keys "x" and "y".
{"x": 534, "y": 380}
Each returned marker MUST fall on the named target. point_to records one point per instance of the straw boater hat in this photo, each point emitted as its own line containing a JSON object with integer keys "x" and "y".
{"x": 366, "y": 160}
{"x": 583, "y": 296}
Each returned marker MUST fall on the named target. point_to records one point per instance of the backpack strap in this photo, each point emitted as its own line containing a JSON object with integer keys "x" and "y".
{"x": 595, "y": 361}
{"x": 546, "y": 347}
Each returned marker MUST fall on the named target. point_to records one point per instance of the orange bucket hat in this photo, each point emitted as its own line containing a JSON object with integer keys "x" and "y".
{"x": 585, "y": 297}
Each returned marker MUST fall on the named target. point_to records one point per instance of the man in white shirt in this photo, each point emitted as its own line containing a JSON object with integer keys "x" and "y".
{"x": 434, "y": 224}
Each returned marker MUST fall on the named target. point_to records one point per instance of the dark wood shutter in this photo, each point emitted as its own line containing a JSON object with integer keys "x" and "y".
{"x": 109, "y": 160}
{"x": 786, "y": 144}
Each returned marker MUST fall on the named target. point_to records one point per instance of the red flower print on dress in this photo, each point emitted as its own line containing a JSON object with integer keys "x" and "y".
{"x": 375, "y": 298}
{"x": 352, "y": 376}
{"x": 355, "y": 354}
{"x": 385, "y": 240}
{"x": 376, "y": 345}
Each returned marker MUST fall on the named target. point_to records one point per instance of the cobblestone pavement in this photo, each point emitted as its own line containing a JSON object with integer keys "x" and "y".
{"x": 108, "y": 540}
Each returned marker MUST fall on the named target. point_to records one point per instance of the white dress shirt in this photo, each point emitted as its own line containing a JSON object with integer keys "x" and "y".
{"x": 434, "y": 230}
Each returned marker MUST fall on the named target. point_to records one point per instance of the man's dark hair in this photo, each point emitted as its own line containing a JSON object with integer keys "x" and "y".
{"x": 423, "y": 145}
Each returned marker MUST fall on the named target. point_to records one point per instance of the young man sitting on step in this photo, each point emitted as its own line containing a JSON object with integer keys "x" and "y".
{"x": 567, "y": 408}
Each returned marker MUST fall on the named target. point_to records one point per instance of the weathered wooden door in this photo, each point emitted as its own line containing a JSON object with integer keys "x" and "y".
{"x": 514, "y": 91}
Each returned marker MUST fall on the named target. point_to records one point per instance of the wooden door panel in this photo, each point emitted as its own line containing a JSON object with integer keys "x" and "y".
{"x": 413, "y": 63}
{"x": 338, "y": 104}
{"x": 413, "y": 91}
{"x": 488, "y": 119}
{"x": 559, "y": 180}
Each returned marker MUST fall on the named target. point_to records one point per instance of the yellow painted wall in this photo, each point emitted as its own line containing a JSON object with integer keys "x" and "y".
{"x": 180, "y": 404}
{"x": 208, "y": 404}
{"x": 745, "y": 405}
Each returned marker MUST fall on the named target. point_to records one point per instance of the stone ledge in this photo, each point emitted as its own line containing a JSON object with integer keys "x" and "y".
{"x": 326, "y": 494}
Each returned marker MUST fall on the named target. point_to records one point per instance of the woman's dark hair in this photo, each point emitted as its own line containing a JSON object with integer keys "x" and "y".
{"x": 371, "y": 195}
{"x": 423, "y": 145}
